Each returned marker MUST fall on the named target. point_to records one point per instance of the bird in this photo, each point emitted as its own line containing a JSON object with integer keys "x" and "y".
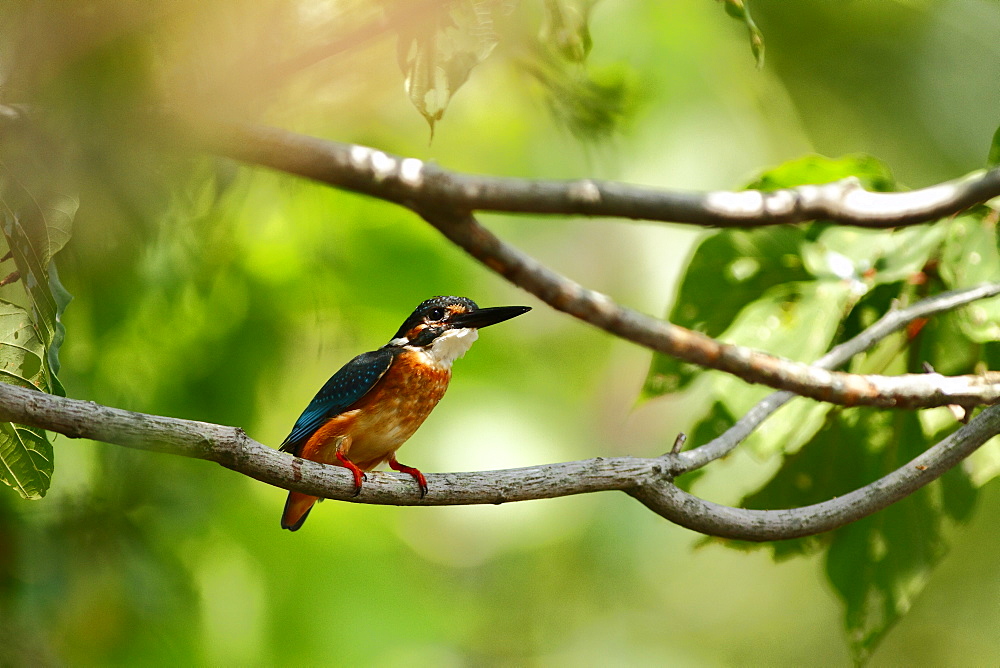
{"x": 375, "y": 402}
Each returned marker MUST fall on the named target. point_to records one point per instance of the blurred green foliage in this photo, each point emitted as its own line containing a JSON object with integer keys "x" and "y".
{"x": 209, "y": 291}
{"x": 799, "y": 291}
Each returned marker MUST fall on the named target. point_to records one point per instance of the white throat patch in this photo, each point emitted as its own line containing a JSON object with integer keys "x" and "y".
{"x": 451, "y": 345}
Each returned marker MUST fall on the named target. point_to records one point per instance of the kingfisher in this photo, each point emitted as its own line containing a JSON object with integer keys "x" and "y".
{"x": 369, "y": 408}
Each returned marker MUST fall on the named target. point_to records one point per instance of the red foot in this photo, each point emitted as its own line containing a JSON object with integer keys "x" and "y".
{"x": 359, "y": 475}
{"x": 417, "y": 475}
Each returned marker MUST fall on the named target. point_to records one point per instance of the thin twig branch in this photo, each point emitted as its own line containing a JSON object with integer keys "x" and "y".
{"x": 421, "y": 185}
{"x": 893, "y": 321}
{"x": 414, "y": 184}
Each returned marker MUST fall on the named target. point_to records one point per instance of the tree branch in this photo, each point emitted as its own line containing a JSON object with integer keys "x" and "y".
{"x": 847, "y": 389}
{"x": 893, "y": 321}
{"x": 689, "y": 511}
{"x": 646, "y": 479}
{"x": 232, "y": 448}
{"x": 418, "y": 186}
{"x": 421, "y": 185}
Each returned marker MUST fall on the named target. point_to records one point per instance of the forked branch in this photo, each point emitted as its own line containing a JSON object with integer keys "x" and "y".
{"x": 647, "y": 479}
{"x": 444, "y": 199}
{"x": 903, "y": 391}
{"x": 761, "y": 525}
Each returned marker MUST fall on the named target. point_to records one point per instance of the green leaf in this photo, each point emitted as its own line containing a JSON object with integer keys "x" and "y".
{"x": 880, "y": 564}
{"x": 727, "y": 271}
{"x": 25, "y": 460}
{"x": 959, "y": 493}
{"x": 816, "y": 169}
{"x": 22, "y": 353}
{"x": 25, "y": 454}
{"x": 796, "y": 292}
{"x": 814, "y": 474}
{"x": 971, "y": 257}
{"x": 993, "y": 159}
{"x": 875, "y": 256}
{"x": 984, "y": 464}
{"x": 796, "y": 321}
{"x": 36, "y": 218}
{"x": 738, "y": 10}
{"x": 47, "y": 298}
{"x": 732, "y": 268}
{"x": 437, "y": 55}
{"x": 715, "y": 423}
{"x": 62, "y": 299}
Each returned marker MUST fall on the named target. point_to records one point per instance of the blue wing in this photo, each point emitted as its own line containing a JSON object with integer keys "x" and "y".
{"x": 352, "y": 382}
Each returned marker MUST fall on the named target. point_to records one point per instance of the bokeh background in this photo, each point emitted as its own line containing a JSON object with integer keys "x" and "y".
{"x": 211, "y": 291}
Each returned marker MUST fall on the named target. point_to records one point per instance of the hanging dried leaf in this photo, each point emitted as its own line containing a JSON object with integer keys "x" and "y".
{"x": 437, "y": 54}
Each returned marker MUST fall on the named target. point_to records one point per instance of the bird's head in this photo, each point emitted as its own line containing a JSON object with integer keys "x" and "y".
{"x": 445, "y": 327}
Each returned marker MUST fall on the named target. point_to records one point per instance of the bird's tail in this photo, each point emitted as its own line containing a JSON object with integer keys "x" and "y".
{"x": 297, "y": 509}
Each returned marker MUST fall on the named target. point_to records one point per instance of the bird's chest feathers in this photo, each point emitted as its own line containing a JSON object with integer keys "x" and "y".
{"x": 400, "y": 402}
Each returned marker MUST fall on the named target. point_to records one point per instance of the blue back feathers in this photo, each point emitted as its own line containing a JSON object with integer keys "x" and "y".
{"x": 347, "y": 386}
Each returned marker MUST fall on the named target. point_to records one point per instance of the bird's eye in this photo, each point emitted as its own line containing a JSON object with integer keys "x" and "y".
{"x": 436, "y": 314}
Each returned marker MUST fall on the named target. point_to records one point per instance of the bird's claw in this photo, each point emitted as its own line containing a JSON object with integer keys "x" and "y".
{"x": 358, "y": 480}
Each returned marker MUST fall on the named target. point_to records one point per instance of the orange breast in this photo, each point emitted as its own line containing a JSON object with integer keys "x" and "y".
{"x": 382, "y": 420}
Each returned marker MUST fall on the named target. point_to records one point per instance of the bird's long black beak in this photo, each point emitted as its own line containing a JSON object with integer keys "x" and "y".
{"x": 485, "y": 317}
